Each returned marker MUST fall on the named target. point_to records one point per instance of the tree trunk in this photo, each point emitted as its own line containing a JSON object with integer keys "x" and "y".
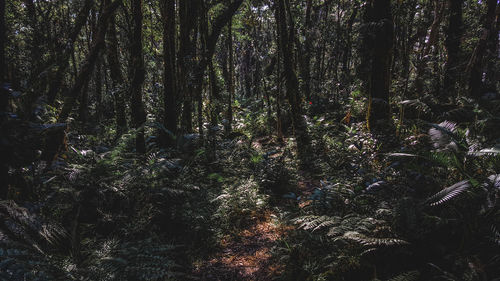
{"x": 348, "y": 45}
{"x": 188, "y": 14}
{"x": 138, "y": 112}
{"x": 116, "y": 78}
{"x": 4, "y": 168}
{"x": 98, "y": 90}
{"x": 35, "y": 40}
{"x": 214, "y": 94}
{"x": 228, "y": 72}
{"x": 306, "y": 56}
{"x": 169, "y": 71}
{"x": 62, "y": 61}
{"x": 492, "y": 77}
{"x": 452, "y": 43}
{"x": 3, "y": 65}
{"x": 292, "y": 83}
{"x": 425, "y": 49}
{"x": 88, "y": 66}
{"x": 476, "y": 62}
{"x": 434, "y": 29}
{"x": 84, "y": 95}
{"x": 378, "y": 56}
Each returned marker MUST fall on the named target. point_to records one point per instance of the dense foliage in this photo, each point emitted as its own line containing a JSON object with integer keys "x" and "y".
{"x": 249, "y": 140}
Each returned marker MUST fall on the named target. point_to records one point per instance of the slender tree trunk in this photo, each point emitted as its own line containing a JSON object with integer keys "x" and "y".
{"x": 426, "y": 47}
{"x": 452, "y": 43}
{"x": 475, "y": 67}
{"x": 379, "y": 56}
{"x": 117, "y": 78}
{"x": 84, "y": 104}
{"x": 88, "y": 66}
{"x": 279, "y": 129}
{"x": 138, "y": 112}
{"x": 306, "y": 56}
{"x": 3, "y": 65}
{"x": 56, "y": 140}
{"x": 292, "y": 83}
{"x": 35, "y": 40}
{"x": 348, "y": 45}
{"x": 492, "y": 77}
{"x": 214, "y": 94}
{"x": 62, "y": 60}
{"x": 434, "y": 29}
{"x": 188, "y": 14}
{"x": 4, "y": 168}
{"x": 84, "y": 96}
{"x": 228, "y": 77}
{"x": 98, "y": 90}
{"x": 169, "y": 70}
{"x": 408, "y": 48}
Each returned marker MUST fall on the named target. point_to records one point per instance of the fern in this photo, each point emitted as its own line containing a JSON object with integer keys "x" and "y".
{"x": 443, "y": 135}
{"x": 315, "y": 223}
{"x": 406, "y": 276}
{"x": 25, "y": 243}
{"x": 142, "y": 260}
{"x": 372, "y": 241}
{"x": 448, "y": 193}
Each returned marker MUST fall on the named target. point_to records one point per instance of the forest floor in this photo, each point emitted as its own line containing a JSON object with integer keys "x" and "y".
{"x": 246, "y": 255}
{"x": 250, "y": 212}
{"x": 246, "y": 252}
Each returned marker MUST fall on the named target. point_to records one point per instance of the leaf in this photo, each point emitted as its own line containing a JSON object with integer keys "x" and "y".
{"x": 406, "y": 276}
{"x": 486, "y": 151}
{"x": 399, "y": 154}
{"x": 448, "y": 193}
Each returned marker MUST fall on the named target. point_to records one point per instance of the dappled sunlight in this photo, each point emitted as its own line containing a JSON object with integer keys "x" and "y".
{"x": 246, "y": 255}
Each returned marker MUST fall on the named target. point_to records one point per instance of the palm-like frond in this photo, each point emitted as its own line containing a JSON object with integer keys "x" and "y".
{"x": 443, "y": 135}
{"x": 448, "y": 193}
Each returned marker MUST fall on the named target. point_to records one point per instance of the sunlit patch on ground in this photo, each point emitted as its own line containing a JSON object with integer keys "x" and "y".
{"x": 247, "y": 256}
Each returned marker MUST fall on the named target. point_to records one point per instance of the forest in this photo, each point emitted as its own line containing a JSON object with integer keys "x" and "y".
{"x": 250, "y": 140}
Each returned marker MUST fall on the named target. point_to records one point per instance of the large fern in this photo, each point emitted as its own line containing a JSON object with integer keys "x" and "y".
{"x": 139, "y": 260}
{"x": 27, "y": 245}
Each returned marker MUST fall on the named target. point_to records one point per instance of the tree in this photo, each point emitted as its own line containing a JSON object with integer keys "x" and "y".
{"x": 285, "y": 26}
{"x": 377, "y": 45}
{"x": 138, "y": 112}
{"x": 3, "y": 65}
{"x": 453, "y": 40}
{"x": 116, "y": 77}
{"x": 88, "y": 66}
{"x": 4, "y": 169}
{"x": 65, "y": 51}
{"x": 169, "y": 70}
{"x": 476, "y": 62}
{"x": 228, "y": 73}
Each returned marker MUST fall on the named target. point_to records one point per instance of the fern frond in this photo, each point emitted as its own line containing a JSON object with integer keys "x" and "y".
{"x": 406, "y": 276}
{"x": 373, "y": 241}
{"x": 28, "y": 227}
{"x": 443, "y": 134}
{"x": 495, "y": 235}
{"x": 494, "y": 181}
{"x": 448, "y": 193}
{"x": 331, "y": 221}
{"x": 142, "y": 260}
